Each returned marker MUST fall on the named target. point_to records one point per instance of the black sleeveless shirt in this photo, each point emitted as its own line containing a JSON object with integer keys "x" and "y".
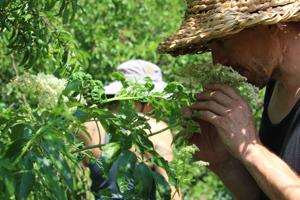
{"x": 283, "y": 138}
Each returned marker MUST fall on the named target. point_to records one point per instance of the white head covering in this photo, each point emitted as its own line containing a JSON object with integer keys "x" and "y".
{"x": 137, "y": 70}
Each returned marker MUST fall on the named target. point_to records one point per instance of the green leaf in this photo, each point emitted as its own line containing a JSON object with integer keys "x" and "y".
{"x": 103, "y": 114}
{"x": 110, "y": 152}
{"x": 149, "y": 84}
{"x": 143, "y": 142}
{"x": 143, "y": 180}
{"x": 82, "y": 115}
{"x": 17, "y": 131}
{"x": 73, "y": 86}
{"x": 125, "y": 163}
{"x": 66, "y": 16}
{"x": 49, "y": 174}
{"x": 7, "y": 176}
{"x": 59, "y": 161}
{"x": 10, "y": 185}
{"x": 15, "y": 148}
{"x": 65, "y": 56}
{"x": 174, "y": 87}
{"x": 50, "y": 4}
{"x": 27, "y": 180}
{"x": 118, "y": 76}
{"x": 162, "y": 186}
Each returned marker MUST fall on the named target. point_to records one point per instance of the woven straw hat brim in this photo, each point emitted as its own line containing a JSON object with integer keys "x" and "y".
{"x": 210, "y": 19}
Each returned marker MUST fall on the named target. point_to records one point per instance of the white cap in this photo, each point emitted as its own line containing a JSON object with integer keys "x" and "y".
{"x": 137, "y": 70}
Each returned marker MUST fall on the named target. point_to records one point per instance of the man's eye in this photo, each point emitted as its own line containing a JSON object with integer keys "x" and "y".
{"x": 211, "y": 41}
{"x": 218, "y": 42}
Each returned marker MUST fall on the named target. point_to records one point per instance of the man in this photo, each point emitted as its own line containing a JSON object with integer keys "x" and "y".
{"x": 261, "y": 40}
{"x": 136, "y": 70}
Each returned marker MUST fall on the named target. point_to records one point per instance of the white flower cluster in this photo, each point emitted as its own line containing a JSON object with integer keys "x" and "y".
{"x": 43, "y": 89}
{"x": 209, "y": 73}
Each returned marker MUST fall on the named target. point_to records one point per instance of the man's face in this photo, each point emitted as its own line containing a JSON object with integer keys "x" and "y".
{"x": 252, "y": 52}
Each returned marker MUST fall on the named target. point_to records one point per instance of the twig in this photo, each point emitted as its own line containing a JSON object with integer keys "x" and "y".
{"x": 14, "y": 66}
{"x": 120, "y": 98}
{"x": 88, "y": 148}
{"x": 99, "y": 133}
{"x": 162, "y": 130}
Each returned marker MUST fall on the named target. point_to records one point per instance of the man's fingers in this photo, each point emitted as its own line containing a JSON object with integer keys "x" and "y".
{"x": 187, "y": 112}
{"x": 208, "y": 117}
{"x": 217, "y": 96}
{"x": 227, "y": 90}
{"x": 211, "y": 106}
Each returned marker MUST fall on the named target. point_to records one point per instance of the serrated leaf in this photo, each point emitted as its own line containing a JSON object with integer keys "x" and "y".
{"x": 50, "y": 4}
{"x": 66, "y": 16}
{"x": 110, "y": 152}
{"x": 17, "y": 131}
{"x": 162, "y": 186}
{"x": 118, "y": 76}
{"x": 125, "y": 166}
{"x": 73, "y": 86}
{"x": 26, "y": 182}
{"x": 143, "y": 180}
{"x": 15, "y": 148}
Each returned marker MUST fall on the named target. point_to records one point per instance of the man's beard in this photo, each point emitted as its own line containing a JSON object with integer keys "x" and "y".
{"x": 259, "y": 78}
{"x": 259, "y": 82}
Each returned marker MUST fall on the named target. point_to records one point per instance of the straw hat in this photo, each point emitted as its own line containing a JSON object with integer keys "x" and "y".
{"x": 209, "y": 19}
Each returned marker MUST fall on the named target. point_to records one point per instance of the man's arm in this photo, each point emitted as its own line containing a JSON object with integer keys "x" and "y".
{"x": 272, "y": 174}
{"x": 230, "y": 170}
{"x": 231, "y": 116}
{"x": 237, "y": 179}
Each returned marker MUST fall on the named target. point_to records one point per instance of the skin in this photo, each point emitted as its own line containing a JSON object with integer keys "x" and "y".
{"x": 229, "y": 139}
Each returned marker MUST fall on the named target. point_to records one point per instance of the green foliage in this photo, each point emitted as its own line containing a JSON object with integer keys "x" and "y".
{"x": 34, "y": 36}
{"x": 195, "y": 180}
{"x": 82, "y": 41}
{"x": 36, "y": 158}
{"x": 118, "y": 30}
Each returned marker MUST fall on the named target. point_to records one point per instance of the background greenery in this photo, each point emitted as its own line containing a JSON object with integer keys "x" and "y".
{"x": 81, "y": 42}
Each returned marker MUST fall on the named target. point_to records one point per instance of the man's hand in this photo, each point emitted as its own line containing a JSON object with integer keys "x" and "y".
{"x": 209, "y": 143}
{"x": 211, "y": 147}
{"x": 228, "y": 112}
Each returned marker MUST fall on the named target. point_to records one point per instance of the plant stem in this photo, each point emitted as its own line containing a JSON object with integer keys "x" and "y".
{"x": 120, "y": 98}
{"x": 27, "y": 146}
{"x": 14, "y": 66}
{"x": 162, "y": 130}
{"x": 88, "y": 148}
{"x": 99, "y": 133}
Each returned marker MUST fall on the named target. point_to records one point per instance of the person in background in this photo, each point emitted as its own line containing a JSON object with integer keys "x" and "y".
{"x": 136, "y": 70}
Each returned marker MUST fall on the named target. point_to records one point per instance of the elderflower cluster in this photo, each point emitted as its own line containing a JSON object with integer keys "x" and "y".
{"x": 208, "y": 73}
{"x": 42, "y": 90}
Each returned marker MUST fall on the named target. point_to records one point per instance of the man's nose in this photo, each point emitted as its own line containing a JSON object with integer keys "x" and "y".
{"x": 221, "y": 60}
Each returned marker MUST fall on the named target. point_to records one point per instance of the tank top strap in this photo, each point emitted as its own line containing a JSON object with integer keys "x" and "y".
{"x": 269, "y": 92}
